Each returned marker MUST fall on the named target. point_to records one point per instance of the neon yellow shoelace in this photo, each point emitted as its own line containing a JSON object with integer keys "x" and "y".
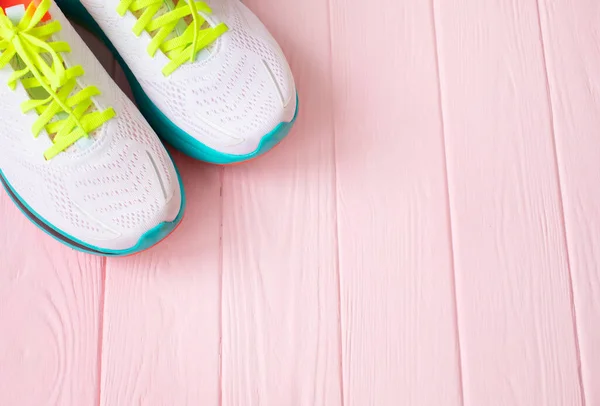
{"x": 66, "y": 117}
{"x": 182, "y": 48}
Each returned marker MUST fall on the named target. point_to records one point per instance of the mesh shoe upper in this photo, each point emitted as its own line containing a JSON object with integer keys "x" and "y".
{"x": 106, "y": 190}
{"x": 238, "y": 90}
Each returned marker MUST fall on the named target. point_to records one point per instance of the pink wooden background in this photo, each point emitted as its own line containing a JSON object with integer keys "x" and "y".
{"x": 429, "y": 234}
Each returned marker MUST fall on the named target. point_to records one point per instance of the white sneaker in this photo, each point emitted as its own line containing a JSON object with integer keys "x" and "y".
{"x": 230, "y": 101}
{"x": 101, "y": 182}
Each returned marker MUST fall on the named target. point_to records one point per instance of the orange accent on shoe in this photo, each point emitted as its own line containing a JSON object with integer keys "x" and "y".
{"x": 29, "y": 6}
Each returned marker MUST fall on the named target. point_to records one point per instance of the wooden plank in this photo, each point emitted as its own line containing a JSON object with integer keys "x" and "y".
{"x": 512, "y": 272}
{"x": 50, "y": 306}
{"x": 571, "y": 37}
{"x": 280, "y": 298}
{"x": 162, "y": 308}
{"x": 398, "y": 313}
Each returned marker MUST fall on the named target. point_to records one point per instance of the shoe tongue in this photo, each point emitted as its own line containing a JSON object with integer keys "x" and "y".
{"x": 170, "y": 5}
{"x": 182, "y": 25}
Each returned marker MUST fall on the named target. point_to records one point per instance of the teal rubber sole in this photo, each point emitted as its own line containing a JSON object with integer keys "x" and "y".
{"x": 163, "y": 126}
{"x": 148, "y": 240}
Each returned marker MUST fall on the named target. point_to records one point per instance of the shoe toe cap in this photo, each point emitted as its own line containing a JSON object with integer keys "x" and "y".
{"x": 116, "y": 205}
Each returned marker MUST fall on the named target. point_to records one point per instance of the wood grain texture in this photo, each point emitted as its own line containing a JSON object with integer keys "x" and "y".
{"x": 571, "y": 38}
{"x": 280, "y": 297}
{"x": 50, "y": 301}
{"x": 512, "y": 272}
{"x": 398, "y": 313}
{"x": 162, "y": 309}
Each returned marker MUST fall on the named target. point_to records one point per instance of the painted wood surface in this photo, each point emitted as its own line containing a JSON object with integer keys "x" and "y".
{"x": 571, "y": 38}
{"x": 516, "y": 326}
{"x": 50, "y": 307}
{"x": 399, "y": 334}
{"x": 427, "y": 235}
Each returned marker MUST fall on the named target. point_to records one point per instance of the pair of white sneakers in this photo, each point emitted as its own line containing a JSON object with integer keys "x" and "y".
{"x": 81, "y": 160}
